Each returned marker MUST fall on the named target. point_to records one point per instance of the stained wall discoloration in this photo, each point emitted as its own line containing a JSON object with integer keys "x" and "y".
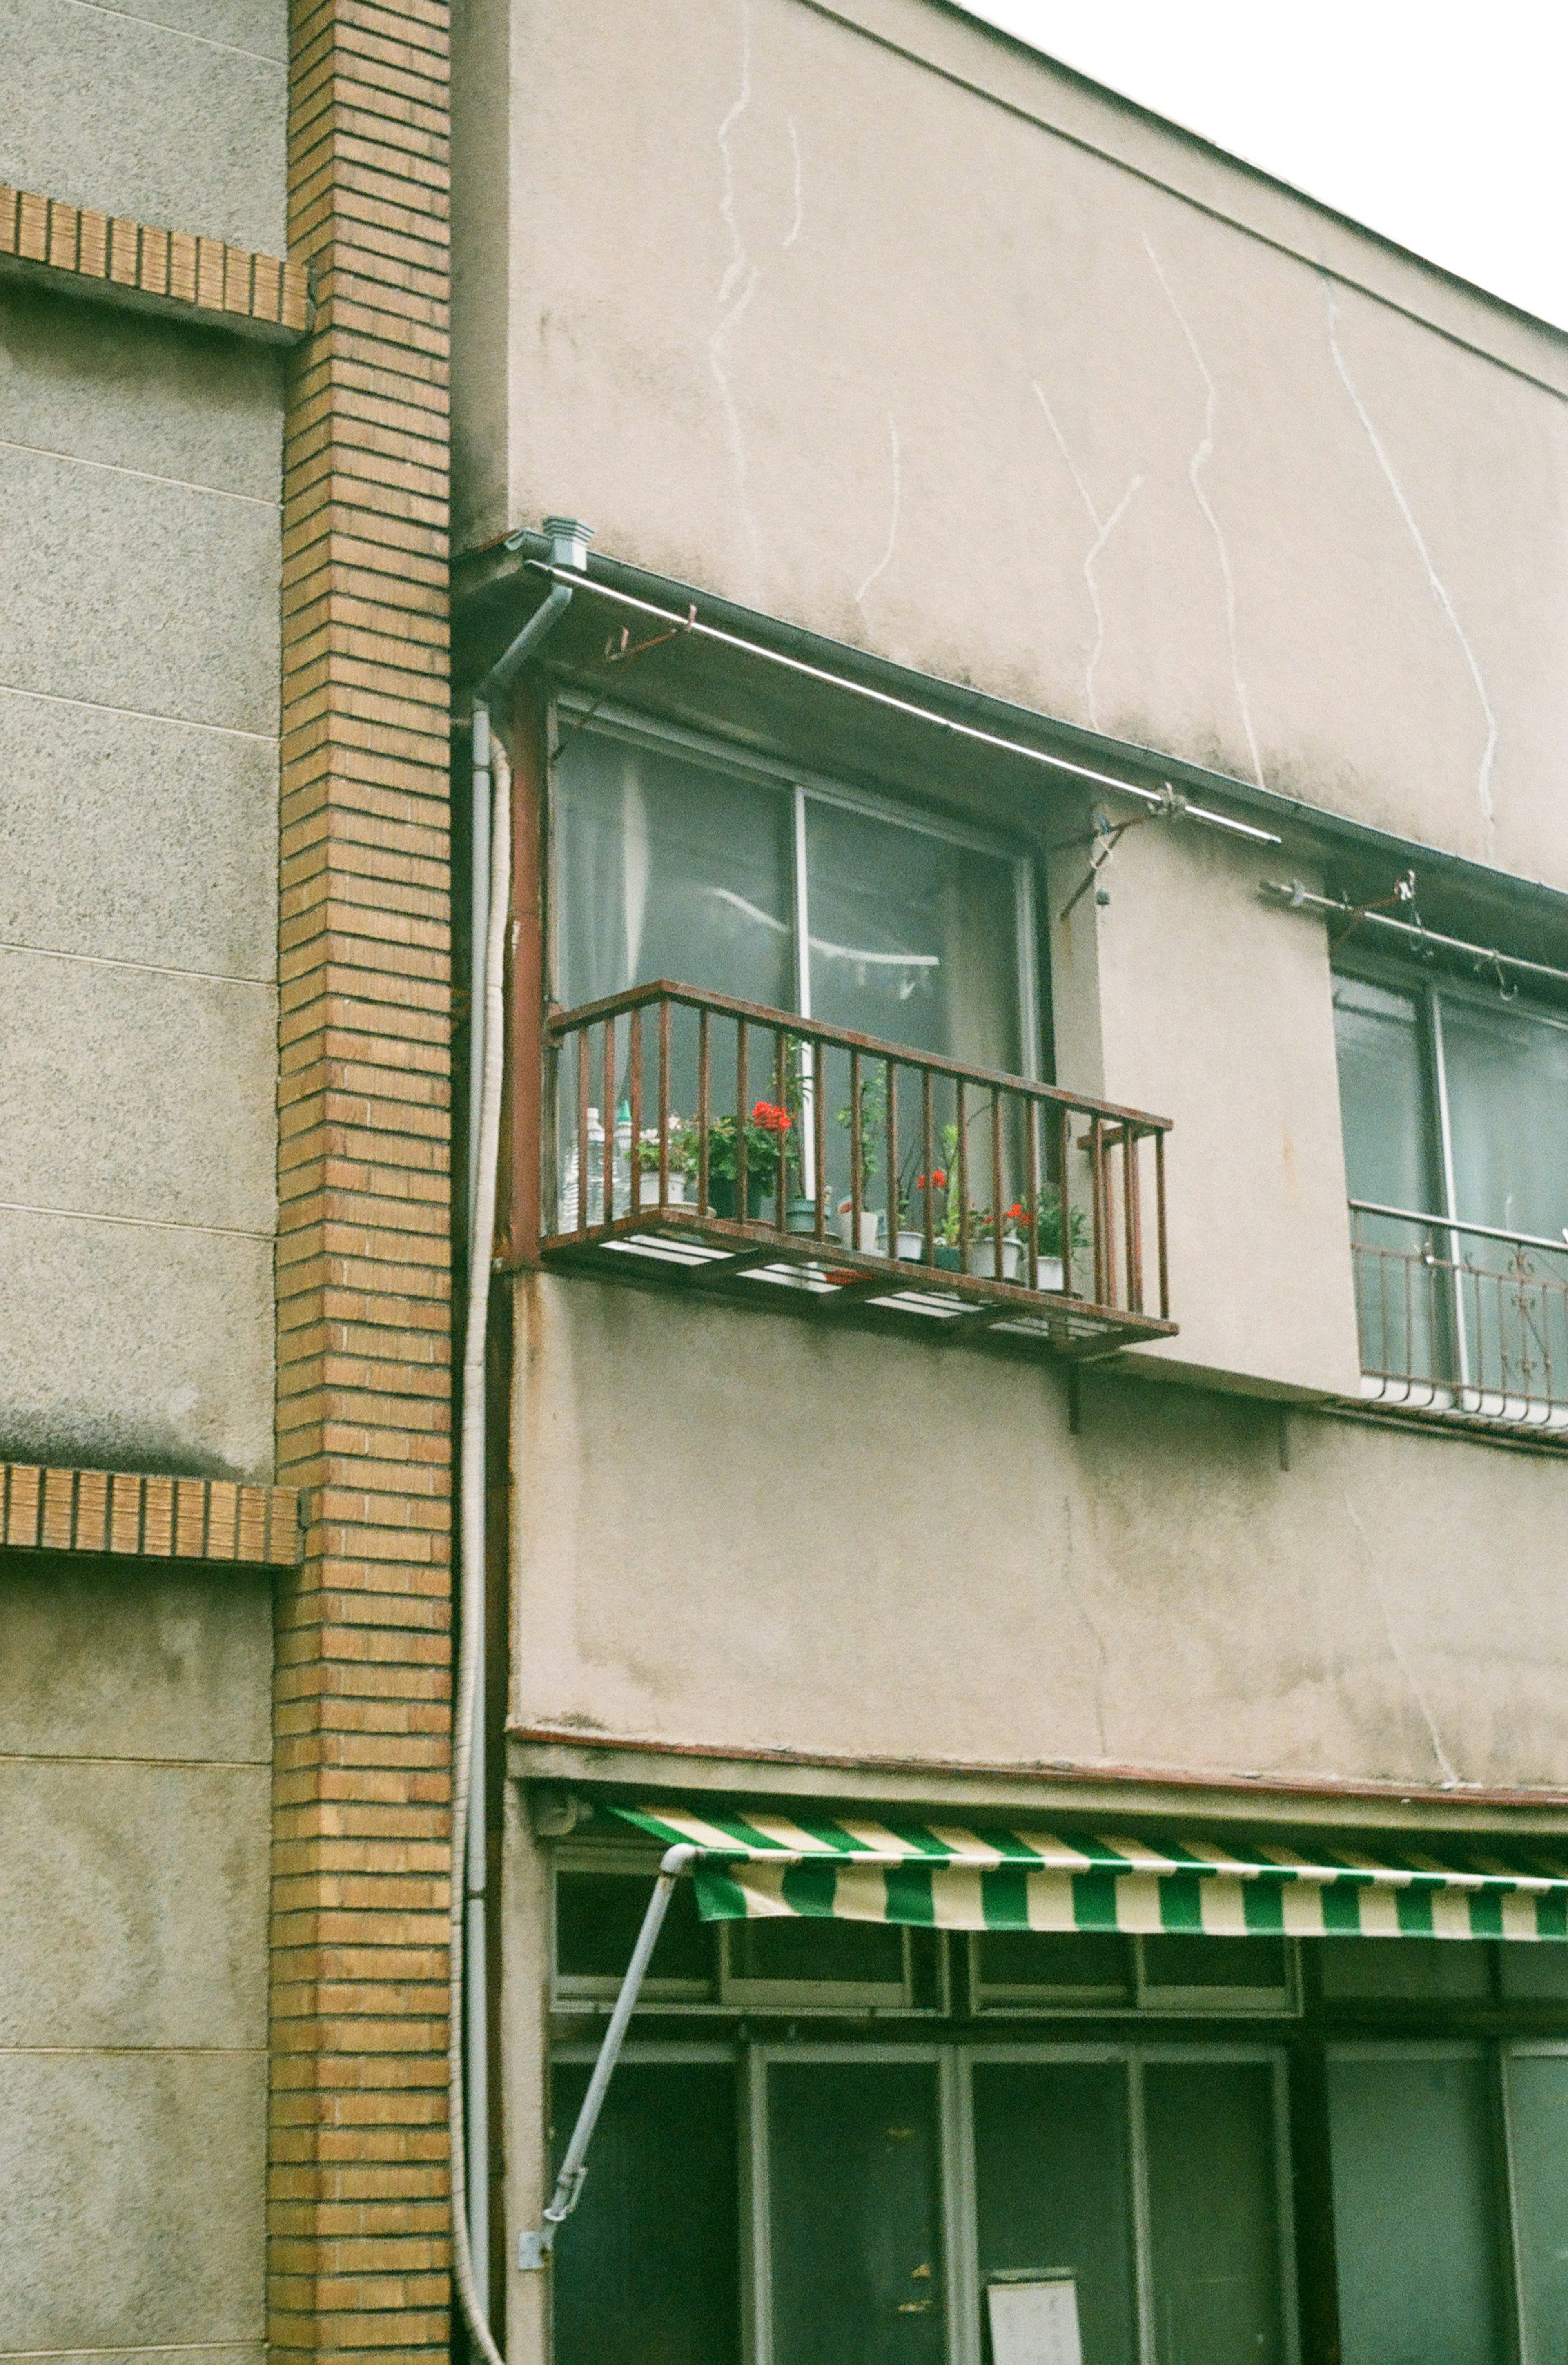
{"x": 852, "y": 1547}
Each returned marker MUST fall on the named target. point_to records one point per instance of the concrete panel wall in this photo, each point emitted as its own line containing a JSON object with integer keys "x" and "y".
{"x": 138, "y": 664}
{"x": 168, "y": 110}
{"x": 134, "y": 1798}
{"x": 736, "y": 1532}
{"x": 980, "y": 370}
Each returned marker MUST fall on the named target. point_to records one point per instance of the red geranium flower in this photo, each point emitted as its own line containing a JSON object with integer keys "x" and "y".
{"x": 769, "y": 1118}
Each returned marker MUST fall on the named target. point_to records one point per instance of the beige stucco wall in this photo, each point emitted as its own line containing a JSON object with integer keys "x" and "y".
{"x": 912, "y": 339}
{"x": 733, "y": 1532}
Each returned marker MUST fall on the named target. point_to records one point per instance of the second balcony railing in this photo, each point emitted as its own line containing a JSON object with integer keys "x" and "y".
{"x": 725, "y": 1141}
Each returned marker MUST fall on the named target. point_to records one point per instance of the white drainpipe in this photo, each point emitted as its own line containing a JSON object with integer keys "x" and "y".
{"x": 469, "y": 2031}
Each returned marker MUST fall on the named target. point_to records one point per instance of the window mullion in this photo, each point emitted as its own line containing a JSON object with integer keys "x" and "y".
{"x": 1446, "y": 1177}
{"x": 1142, "y": 2243}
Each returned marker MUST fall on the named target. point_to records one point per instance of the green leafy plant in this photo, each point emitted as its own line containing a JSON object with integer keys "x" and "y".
{"x": 765, "y": 1132}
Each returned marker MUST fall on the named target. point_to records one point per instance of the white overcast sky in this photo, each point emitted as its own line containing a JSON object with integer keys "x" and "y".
{"x": 1439, "y": 124}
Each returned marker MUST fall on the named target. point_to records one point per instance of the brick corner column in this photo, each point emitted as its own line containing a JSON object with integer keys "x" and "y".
{"x": 357, "y": 2198}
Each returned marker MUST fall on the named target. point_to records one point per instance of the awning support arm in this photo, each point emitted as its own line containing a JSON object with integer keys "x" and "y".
{"x": 533, "y": 2248}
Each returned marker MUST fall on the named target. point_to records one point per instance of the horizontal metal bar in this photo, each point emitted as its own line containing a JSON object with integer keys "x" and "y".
{"x": 1168, "y": 800}
{"x": 561, "y": 1023}
{"x": 1297, "y": 898}
{"x": 1454, "y": 1224}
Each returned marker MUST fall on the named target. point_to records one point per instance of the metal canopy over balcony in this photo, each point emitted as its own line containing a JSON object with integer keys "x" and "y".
{"x": 823, "y": 1173}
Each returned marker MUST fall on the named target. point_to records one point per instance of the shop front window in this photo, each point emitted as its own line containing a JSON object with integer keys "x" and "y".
{"x": 881, "y": 2193}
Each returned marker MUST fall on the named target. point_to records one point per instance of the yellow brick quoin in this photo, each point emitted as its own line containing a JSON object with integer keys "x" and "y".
{"x": 78, "y": 251}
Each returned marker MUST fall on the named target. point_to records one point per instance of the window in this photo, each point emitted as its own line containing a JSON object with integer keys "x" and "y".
{"x": 1035, "y": 1971}
{"x": 801, "y": 1966}
{"x": 673, "y": 857}
{"x": 876, "y": 2193}
{"x": 1455, "y": 1113}
{"x": 1449, "y": 2222}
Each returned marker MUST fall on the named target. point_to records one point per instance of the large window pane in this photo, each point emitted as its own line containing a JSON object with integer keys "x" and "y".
{"x": 1052, "y": 2189}
{"x": 1213, "y": 2213}
{"x": 1404, "y": 1301}
{"x": 858, "y": 2267}
{"x": 1507, "y": 1081}
{"x": 1537, "y": 2114}
{"x": 914, "y": 940}
{"x": 1507, "y": 1090}
{"x": 1416, "y": 2232}
{"x": 647, "y": 2269}
{"x": 668, "y": 866}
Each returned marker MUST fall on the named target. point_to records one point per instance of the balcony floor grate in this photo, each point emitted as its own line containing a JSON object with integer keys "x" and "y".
{"x": 714, "y": 1258}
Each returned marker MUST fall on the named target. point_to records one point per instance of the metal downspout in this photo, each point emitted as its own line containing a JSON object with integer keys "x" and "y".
{"x": 468, "y": 2046}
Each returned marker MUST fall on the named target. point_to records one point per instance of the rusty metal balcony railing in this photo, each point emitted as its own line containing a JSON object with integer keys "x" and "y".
{"x": 693, "y": 1138}
{"x": 1461, "y": 1318}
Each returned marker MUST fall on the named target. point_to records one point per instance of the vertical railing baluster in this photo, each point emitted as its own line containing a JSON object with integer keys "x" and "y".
{"x": 704, "y": 1107}
{"x": 743, "y": 1180}
{"x": 1159, "y": 1224}
{"x": 819, "y": 1131}
{"x": 1032, "y": 1185}
{"x": 928, "y": 1155}
{"x": 1064, "y": 1192}
{"x": 1130, "y": 1217}
{"x": 780, "y": 1102}
{"x": 891, "y": 1152}
{"x": 962, "y": 1150}
{"x": 998, "y": 1258}
{"x": 1103, "y": 1278}
{"x": 607, "y": 1126}
{"x": 634, "y": 1103}
{"x": 854, "y": 1149}
{"x": 664, "y": 1103}
{"x": 585, "y": 1054}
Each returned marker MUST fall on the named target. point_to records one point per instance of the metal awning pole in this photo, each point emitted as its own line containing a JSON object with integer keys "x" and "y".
{"x": 533, "y": 2248}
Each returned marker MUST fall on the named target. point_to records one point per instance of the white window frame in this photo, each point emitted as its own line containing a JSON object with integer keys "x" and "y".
{"x": 997, "y": 2001}
{"x": 571, "y": 708}
{"x": 729, "y": 1993}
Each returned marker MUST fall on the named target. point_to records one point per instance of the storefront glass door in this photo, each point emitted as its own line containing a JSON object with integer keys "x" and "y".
{"x": 855, "y": 2245}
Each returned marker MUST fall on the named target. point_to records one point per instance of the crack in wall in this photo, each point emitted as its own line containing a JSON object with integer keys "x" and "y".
{"x": 793, "y": 232}
{"x": 741, "y": 273}
{"x": 1434, "y": 581}
{"x": 1104, "y": 528}
{"x": 1069, "y": 1586}
{"x": 885, "y": 559}
{"x": 1450, "y": 1779}
{"x": 1195, "y": 467}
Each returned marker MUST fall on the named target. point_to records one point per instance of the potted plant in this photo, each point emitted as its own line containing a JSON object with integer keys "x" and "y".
{"x": 1048, "y": 1238}
{"x": 982, "y": 1229}
{"x": 647, "y": 1157}
{"x": 764, "y": 1133}
{"x": 864, "y": 1122}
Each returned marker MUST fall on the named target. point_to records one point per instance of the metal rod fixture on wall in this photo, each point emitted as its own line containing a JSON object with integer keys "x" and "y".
{"x": 1165, "y": 800}
{"x": 1294, "y": 897}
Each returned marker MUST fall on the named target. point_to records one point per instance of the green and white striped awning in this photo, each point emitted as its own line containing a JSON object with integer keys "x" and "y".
{"x": 982, "y": 1878}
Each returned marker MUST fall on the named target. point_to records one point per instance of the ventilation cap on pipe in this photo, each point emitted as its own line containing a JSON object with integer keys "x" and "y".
{"x": 569, "y": 543}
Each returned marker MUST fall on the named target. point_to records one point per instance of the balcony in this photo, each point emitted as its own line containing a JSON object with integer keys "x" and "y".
{"x": 730, "y": 1149}
{"x": 1468, "y": 1319}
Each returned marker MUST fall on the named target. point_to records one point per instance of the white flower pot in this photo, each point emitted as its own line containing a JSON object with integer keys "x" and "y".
{"x": 1051, "y": 1274}
{"x": 675, "y": 1193}
{"x": 912, "y": 1247}
{"x": 871, "y": 1230}
{"x": 983, "y": 1259}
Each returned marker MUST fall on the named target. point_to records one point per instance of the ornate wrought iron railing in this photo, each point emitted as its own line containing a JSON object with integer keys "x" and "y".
{"x": 1462, "y": 1317}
